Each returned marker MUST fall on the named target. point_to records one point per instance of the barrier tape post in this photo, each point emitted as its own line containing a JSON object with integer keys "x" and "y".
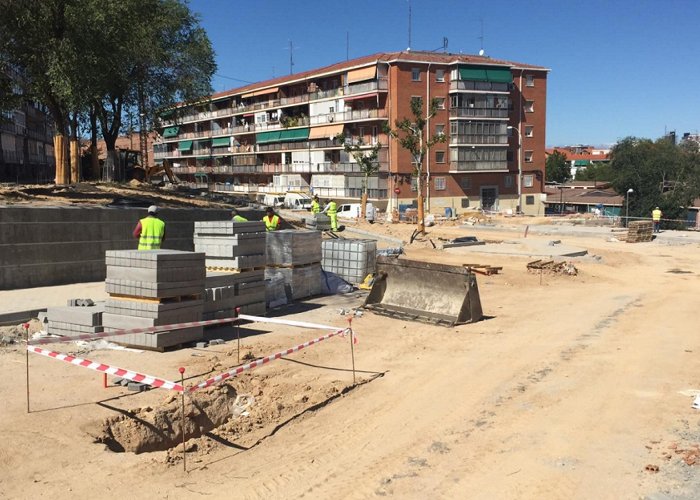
{"x": 352, "y": 348}
{"x": 238, "y": 334}
{"x": 182, "y": 419}
{"x": 104, "y": 380}
{"x": 26, "y": 334}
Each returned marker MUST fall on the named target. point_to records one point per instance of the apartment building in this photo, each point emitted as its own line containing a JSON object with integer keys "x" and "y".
{"x": 281, "y": 134}
{"x": 26, "y": 144}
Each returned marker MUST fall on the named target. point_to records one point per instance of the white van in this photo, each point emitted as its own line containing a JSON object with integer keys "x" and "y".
{"x": 271, "y": 200}
{"x": 353, "y": 210}
{"x": 297, "y": 201}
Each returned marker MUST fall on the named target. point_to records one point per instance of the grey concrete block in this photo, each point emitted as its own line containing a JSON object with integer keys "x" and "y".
{"x": 147, "y": 289}
{"x": 217, "y": 279}
{"x": 77, "y": 315}
{"x": 149, "y": 309}
{"x": 170, "y": 318}
{"x": 201, "y": 345}
{"x": 293, "y": 248}
{"x": 216, "y": 341}
{"x": 227, "y": 227}
{"x": 137, "y": 387}
{"x": 197, "y": 273}
{"x": 301, "y": 281}
{"x": 243, "y": 262}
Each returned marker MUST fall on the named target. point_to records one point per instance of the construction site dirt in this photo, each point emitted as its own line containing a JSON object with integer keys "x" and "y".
{"x": 572, "y": 386}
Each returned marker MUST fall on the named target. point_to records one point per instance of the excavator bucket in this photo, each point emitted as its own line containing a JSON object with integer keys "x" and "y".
{"x": 422, "y": 291}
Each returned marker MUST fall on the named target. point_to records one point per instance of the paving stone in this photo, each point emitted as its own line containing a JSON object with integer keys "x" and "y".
{"x": 77, "y": 315}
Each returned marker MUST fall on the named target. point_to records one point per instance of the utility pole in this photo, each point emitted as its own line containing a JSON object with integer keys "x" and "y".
{"x": 291, "y": 57}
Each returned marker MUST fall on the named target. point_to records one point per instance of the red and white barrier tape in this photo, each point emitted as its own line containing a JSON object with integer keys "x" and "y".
{"x": 152, "y": 329}
{"x": 112, "y": 370}
{"x": 302, "y": 324}
{"x": 266, "y": 359}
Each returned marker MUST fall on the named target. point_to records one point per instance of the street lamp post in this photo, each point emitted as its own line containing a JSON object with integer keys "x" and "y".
{"x": 520, "y": 167}
{"x": 627, "y": 208}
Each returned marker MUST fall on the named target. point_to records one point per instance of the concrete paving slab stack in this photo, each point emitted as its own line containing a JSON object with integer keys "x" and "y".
{"x": 295, "y": 256}
{"x": 351, "y": 259}
{"x": 154, "y": 288}
{"x": 235, "y": 260}
{"x": 71, "y": 321}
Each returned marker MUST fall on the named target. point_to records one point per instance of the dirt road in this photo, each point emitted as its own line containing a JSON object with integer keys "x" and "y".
{"x": 569, "y": 389}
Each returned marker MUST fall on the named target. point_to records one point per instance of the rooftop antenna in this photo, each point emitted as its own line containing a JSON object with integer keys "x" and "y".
{"x": 291, "y": 57}
{"x": 409, "y": 26}
{"x": 481, "y": 50}
{"x": 445, "y": 41}
{"x": 347, "y": 45}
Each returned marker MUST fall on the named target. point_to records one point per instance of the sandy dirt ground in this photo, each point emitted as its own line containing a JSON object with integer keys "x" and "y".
{"x": 572, "y": 387}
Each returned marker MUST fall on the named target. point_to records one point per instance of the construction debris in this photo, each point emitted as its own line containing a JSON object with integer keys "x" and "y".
{"x": 553, "y": 267}
{"x": 484, "y": 269}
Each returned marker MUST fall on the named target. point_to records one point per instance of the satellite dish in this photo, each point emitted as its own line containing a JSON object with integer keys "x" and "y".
{"x": 481, "y": 52}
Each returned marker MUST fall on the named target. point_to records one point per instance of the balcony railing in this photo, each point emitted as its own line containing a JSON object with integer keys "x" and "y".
{"x": 317, "y": 168}
{"x": 478, "y": 166}
{"x": 478, "y": 139}
{"x": 233, "y": 188}
{"x": 361, "y": 88}
{"x": 479, "y": 86}
{"x": 329, "y": 192}
{"x": 478, "y": 112}
{"x": 346, "y": 116}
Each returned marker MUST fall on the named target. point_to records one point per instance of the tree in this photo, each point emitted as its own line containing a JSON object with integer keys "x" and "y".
{"x": 366, "y": 160}
{"x": 413, "y": 137}
{"x": 660, "y": 173}
{"x": 556, "y": 168}
{"x": 596, "y": 172}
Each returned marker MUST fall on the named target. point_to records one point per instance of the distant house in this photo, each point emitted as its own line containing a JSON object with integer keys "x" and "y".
{"x": 580, "y": 157}
{"x": 583, "y": 197}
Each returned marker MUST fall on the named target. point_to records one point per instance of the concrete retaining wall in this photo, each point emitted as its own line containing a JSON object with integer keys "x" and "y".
{"x": 58, "y": 245}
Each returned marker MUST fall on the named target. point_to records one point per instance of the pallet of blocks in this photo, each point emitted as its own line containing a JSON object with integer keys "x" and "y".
{"x": 70, "y": 321}
{"x": 294, "y": 258}
{"x": 640, "y": 231}
{"x": 235, "y": 260}
{"x": 351, "y": 259}
{"x": 150, "y": 288}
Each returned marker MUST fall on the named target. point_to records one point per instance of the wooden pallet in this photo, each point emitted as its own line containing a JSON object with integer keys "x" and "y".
{"x": 234, "y": 270}
{"x": 158, "y": 300}
{"x": 484, "y": 269}
{"x": 293, "y": 266}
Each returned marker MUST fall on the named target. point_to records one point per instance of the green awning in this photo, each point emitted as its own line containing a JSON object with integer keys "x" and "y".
{"x": 170, "y": 132}
{"x": 185, "y": 145}
{"x": 581, "y": 163}
{"x": 218, "y": 142}
{"x": 263, "y": 137}
{"x": 203, "y": 158}
{"x": 485, "y": 74}
{"x": 297, "y": 134}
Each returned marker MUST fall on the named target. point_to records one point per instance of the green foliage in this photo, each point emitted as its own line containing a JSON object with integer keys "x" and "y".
{"x": 660, "y": 173}
{"x": 367, "y": 160}
{"x": 596, "y": 172}
{"x": 556, "y": 168}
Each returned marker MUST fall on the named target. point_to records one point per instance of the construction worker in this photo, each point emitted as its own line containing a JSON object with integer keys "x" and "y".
{"x": 237, "y": 217}
{"x": 271, "y": 220}
{"x": 332, "y": 211}
{"x": 150, "y": 230}
{"x": 315, "y": 205}
{"x": 656, "y": 218}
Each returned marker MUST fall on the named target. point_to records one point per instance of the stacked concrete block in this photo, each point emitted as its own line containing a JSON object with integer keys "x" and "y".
{"x": 71, "y": 321}
{"x": 319, "y": 222}
{"x": 295, "y": 256}
{"x": 154, "y": 288}
{"x": 235, "y": 258}
{"x": 640, "y": 231}
{"x": 352, "y": 260}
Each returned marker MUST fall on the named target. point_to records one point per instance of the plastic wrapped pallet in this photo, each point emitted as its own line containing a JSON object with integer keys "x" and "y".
{"x": 351, "y": 259}
{"x": 293, "y": 248}
{"x": 299, "y": 282}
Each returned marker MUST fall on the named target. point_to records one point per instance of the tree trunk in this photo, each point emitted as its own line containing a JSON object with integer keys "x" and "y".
{"x": 74, "y": 151}
{"x": 59, "y": 151}
{"x": 363, "y": 200}
{"x": 94, "y": 160}
{"x": 421, "y": 208}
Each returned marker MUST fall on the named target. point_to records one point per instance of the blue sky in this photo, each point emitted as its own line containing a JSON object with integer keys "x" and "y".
{"x": 618, "y": 68}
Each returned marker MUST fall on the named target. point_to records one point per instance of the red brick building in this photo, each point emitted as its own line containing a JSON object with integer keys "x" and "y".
{"x": 279, "y": 135}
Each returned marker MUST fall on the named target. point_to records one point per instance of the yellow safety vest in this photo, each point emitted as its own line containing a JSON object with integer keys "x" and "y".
{"x": 152, "y": 231}
{"x": 239, "y": 218}
{"x": 332, "y": 208}
{"x": 656, "y": 215}
{"x": 315, "y": 207}
{"x": 271, "y": 225}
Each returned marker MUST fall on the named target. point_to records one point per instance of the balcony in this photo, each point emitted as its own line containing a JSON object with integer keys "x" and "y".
{"x": 374, "y": 85}
{"x": 469, "y": 86}
{"x": 478, "y": 166}
{"x": 233, "y": 188}
{"x": 330, "y": 192}
{"x": 478, "y": 113}
{"x": 349, "y": 116}
{"x": 317, "y": 168}
{"x": 478, "y": 139}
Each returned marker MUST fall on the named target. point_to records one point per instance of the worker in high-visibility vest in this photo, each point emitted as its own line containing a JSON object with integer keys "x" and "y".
{"x": 150, "y": 230}
{"x": 332, "y": 211}
{"x": 237, "y": 217}
{"x": 271, "y": 220}
{"x": 315, "y": 205}
{"x": 656, "y": 218}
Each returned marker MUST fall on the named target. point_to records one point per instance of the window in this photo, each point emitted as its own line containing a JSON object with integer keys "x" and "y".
{"x": 529, "y": 106}
{"x": 440, "y": 102}
{"x": 440, "y": 129}
{"x": 528, "y": 156}
{"x": 530, "y": 80}
{"x": 529, "y": 199}
{"x": 414, "y": 184}
{"x": 508, "y": 181}
{"x": 374, "y": 135}
{"x": 528, "y": 180}
{"x": 439, "y": 75}
{"x": 465, "y": 182}
{"x": 440, "y": 184}
{"x": 415, "y": 74}
{"x": 439, "y": 157}
{"x": 529, "y": 130}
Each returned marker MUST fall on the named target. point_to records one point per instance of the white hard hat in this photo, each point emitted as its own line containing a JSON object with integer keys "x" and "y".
{"x": 153, "y": 209}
